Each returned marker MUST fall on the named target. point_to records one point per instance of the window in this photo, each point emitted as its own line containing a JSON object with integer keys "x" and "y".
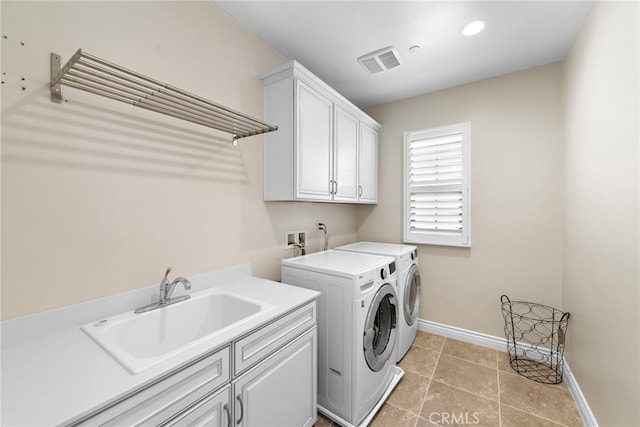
{"x": 436, "y": 186}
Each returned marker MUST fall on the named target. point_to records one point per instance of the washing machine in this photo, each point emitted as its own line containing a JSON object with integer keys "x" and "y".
{"x": 357, "y": 330}
{"x": 408, "y": 290}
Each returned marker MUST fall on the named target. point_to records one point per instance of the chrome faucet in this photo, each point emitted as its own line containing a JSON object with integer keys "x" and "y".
{"x": 303, "y": 250}
{"x": 302, "y": 244}
{"x": 166, "y": 289}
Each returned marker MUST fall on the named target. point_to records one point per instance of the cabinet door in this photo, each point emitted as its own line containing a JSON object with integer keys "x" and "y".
{"x": 314, "y": 127}
{"x": 213, "y": 411}
{"x": 345, "y": 164}
{"x": 281, "y": 391}
{"x": 368, "y": 165}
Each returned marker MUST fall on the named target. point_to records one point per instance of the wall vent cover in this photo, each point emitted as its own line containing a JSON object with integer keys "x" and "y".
{"x": 380, "y": 60}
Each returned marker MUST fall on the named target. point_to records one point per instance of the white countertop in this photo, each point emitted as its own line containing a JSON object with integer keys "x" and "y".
{"x": 52, "y": 372}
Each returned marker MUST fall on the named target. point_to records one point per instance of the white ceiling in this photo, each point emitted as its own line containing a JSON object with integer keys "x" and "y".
{"x": 327, "y": 37}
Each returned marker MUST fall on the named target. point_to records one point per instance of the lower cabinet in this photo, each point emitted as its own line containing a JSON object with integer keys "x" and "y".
{"x": 164, "y": 399}
{"x": 281, "y": 391}
{"x": 270, "y": 380}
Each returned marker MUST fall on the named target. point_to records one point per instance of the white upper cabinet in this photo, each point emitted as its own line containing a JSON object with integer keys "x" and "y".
{"x": 325, "y": 148}
{"x": 345, "y": 162}
{"x": 368, "y": 161}
{"x": 314, "y": 128}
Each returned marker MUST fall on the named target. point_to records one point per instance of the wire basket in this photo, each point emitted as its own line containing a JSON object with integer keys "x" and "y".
{"x": 535, "y": 339}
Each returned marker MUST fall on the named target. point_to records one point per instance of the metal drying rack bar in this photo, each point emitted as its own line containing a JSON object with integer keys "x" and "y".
{"x": 92, "y": 74}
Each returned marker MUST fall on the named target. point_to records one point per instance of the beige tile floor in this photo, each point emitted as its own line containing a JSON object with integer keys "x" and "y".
{"x": 453, "y": 383}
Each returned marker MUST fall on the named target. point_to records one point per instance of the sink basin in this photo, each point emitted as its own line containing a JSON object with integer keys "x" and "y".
{"x": 185, "y": 329}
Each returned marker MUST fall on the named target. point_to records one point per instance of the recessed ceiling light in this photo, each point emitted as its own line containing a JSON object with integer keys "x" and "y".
{"x": 414, "y": 48}
{"x": 474, "y": 27}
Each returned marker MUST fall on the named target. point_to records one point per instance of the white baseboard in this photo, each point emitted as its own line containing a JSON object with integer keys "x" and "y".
{"x": 581, "y": 402}
{"x": 500, "y": 344}
{"x": 465, "y": 335}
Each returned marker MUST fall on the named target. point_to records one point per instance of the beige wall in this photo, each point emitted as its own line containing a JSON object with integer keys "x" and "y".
{"x": 99, "y": 197}
{"x": 601, "y": 235}
{"x": 516, "y": 201}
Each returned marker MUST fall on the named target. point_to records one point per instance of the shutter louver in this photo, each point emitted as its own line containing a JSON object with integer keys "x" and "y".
{"x": 435, "y": 207}
{"x": 439, "y": 213}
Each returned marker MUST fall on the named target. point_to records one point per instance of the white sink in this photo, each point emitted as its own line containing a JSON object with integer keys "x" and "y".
{"x": 185, "y": 329}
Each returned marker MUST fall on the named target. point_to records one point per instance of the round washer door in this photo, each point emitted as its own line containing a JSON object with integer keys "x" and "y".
{"x": 411, "y": 305}
{"x": 380, "y": 328}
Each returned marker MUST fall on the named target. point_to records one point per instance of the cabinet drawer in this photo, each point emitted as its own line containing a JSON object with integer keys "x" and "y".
{"x": 160, "y": 401}
{"x": 213, "y": 411}
{"x": 253, "y": 348}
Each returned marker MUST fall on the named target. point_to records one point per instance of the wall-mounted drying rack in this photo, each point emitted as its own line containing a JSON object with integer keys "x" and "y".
{"x": 92, "y": 74}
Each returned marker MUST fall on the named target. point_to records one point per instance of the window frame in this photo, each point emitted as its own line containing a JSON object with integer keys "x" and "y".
{"x": 464, "y": 188}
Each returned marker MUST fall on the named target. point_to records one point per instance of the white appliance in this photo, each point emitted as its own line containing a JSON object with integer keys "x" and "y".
{"x": 408, "y": 290}
{"x": 357, "y": 330}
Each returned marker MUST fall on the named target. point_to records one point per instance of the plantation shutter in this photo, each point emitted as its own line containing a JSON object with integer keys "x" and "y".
{"x": 436, "y": 186}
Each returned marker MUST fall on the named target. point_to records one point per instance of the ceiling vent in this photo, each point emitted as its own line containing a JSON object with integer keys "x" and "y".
{"x": 380, "y": 60}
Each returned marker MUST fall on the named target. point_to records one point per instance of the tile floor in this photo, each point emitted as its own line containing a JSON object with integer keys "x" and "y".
{"x": 453, "y": 383}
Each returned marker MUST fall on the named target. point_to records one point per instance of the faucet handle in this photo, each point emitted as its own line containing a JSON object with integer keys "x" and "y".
{"x": 166, "y": 275}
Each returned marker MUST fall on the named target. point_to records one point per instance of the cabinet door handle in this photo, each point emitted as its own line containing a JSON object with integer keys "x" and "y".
{"x": 228, "y": 411}
{"x": 360, "y": 192}
{"x": 239, "y": 399}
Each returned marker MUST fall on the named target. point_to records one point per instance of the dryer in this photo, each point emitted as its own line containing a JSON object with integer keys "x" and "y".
{"x": 408, "y": 290}
{"x": 357, "y": 330}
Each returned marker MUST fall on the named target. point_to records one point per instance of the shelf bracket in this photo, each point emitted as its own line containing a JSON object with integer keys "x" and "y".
{"x": 56, "y": 90}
